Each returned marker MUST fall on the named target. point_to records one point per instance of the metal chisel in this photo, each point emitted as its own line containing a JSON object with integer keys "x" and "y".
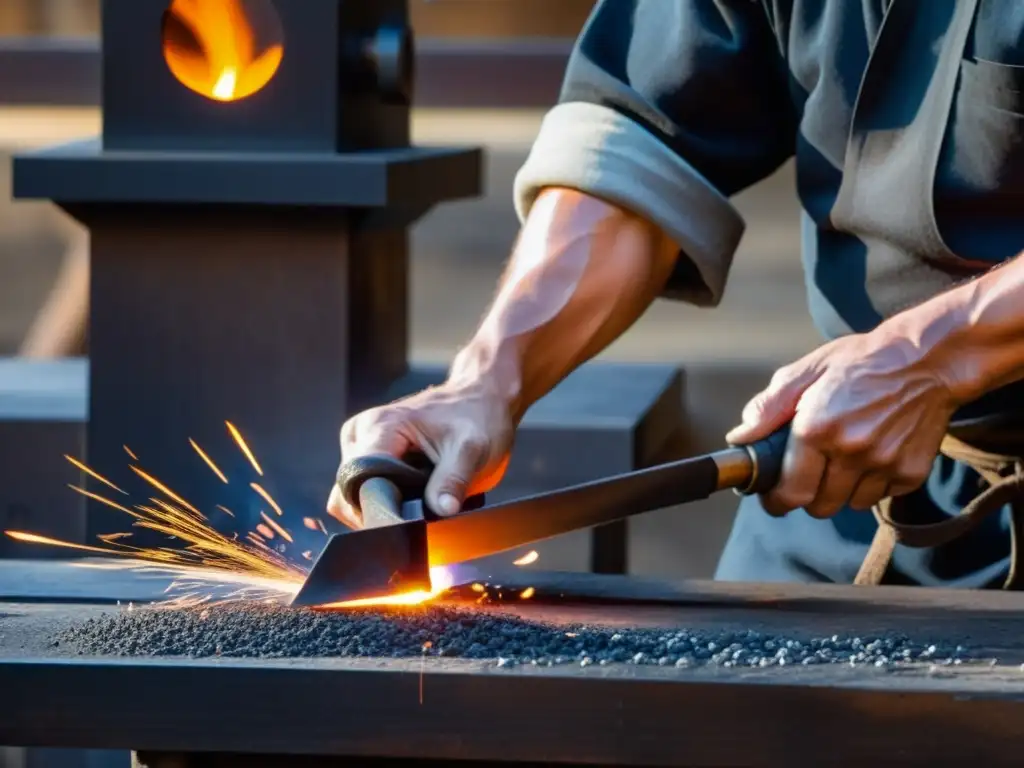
{"x": 402, "y": 538}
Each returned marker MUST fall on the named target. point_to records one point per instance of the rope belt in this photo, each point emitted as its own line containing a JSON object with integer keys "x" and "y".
{"x": 1004, "y": 477}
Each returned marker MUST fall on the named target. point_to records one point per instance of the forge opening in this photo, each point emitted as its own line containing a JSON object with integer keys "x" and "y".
{"x": 225, "y": 50}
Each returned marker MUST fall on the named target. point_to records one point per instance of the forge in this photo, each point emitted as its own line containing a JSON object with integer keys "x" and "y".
{"x": 248, "y": 205}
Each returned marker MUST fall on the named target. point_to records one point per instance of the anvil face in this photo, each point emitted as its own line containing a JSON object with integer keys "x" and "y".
{"x": 373, "y": 562}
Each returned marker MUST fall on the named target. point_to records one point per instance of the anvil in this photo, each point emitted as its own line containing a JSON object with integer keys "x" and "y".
{"x": 402, "y": 537}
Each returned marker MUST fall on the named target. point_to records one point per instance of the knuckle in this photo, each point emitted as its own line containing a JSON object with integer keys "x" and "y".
{"x": 881, "y": 459}
{"x": 771, "y": 504}
{"x": 789, "y": 499}
{"x": 911, "y": 469}
{"x": 813, "y": 432}
{"x": 781, "y": 377}
{"x": 800, "y": 500}
{"x": 823, "y": 509}
{"x": 474, "y": 441}
{"x": 348, "y": 431}
{"x": 854, "y": 445}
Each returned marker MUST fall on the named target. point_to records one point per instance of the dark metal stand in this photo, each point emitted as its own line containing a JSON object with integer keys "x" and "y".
{"x": 42, "y": 407}
{"x": 282, "y": 319}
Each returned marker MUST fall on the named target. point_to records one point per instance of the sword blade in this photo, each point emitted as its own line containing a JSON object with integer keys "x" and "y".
{"x": 507, "y": 525}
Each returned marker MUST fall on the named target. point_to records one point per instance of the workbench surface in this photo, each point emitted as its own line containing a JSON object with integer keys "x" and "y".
{"x": 620, "y": 714}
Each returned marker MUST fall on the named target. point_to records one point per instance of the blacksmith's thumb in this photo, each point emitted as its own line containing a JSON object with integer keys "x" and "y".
{"x": 451, "y": 477}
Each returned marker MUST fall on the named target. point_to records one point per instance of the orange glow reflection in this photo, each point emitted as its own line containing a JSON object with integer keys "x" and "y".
{"x": 441, "y": 579}
{"x": 210, "y": 46}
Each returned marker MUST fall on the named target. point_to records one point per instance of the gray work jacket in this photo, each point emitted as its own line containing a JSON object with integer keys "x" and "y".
{"x": 906, "y": 120}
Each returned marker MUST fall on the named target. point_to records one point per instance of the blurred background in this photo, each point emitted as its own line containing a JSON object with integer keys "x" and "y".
{"x": 458, "y": 249}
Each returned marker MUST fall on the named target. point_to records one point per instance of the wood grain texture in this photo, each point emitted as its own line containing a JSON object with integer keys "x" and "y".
{"x": 615, "y": 715}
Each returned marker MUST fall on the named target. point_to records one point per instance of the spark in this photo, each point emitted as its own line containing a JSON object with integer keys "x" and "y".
{"x": 101, "y": 499}
{"x": 173, "y": 510}
{"x": 109, "y": 538}
{"x": 244, "y": 447}
{"x": 163, "y": 488}
{"x": 315, "y": 524}
{"x": 267, "y": 498}
{"x": 479, "y": 588}
{"x": 93, "y": 474}
{"x": 129, "y": 452}
{"x": 258, "y": 540}
{"x": 277, "y": 528}
{"x": 527, "y": 593}
{"x": 32, "y": 538}
{"x": 206, "y": 566}
{"x": 527, "y": 559}
{"x": 208, "y": 460}
{"x": 207, "y": 554}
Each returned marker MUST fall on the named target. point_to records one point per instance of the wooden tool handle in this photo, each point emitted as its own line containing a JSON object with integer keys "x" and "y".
{"x": 378, "y": 485}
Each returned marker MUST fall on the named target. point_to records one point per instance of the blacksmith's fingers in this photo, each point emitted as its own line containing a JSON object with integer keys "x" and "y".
{"x": 840, "y": 480}
{"x": 872, "y": 488}
{"x": 803, "y": 468}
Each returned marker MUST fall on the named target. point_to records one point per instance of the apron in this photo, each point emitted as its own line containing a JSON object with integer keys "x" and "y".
{"x": 904, "y": 142}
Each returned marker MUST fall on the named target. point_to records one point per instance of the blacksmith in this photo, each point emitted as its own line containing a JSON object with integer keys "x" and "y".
{"x": 906, "y": 121}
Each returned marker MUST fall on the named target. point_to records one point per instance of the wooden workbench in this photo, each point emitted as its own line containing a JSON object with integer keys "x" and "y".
{"x": 611, "y": 715}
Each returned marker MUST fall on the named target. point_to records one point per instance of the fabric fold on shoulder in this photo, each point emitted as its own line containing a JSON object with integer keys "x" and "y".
{"x": 599, "y": 151}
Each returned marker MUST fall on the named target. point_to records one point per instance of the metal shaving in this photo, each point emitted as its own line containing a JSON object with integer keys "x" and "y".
{"x": 264, "y": 631}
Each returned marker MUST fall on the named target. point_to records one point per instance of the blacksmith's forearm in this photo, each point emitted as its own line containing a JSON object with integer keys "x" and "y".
{"x": 974, "y": 333}
{"x": 582, "y": 272}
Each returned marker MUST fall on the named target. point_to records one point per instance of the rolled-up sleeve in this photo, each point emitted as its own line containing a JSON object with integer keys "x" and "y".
{"x": 668, "y": 108}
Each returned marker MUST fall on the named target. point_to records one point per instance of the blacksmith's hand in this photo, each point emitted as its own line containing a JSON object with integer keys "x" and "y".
{"x": 868, "y": 413}
{"x": 465, "y": 431}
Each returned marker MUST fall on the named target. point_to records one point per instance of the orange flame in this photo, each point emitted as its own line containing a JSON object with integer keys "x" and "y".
{"x": 226, "y": 65}
{"x": 441, "y": 580}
